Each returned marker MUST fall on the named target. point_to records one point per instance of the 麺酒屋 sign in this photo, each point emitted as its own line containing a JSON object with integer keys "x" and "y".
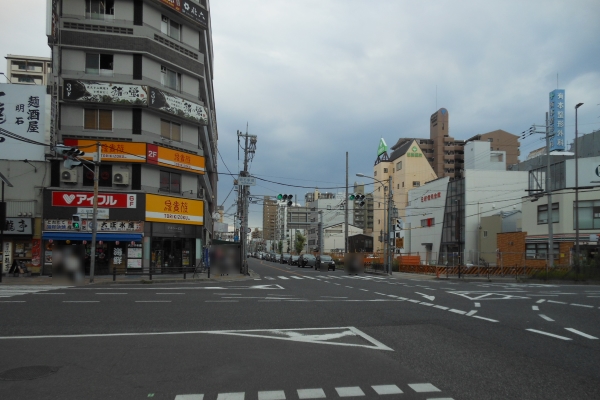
{"x": 175, "y": 159}
{"x": 86, "y": 199}
{"x": 174, "y": 210}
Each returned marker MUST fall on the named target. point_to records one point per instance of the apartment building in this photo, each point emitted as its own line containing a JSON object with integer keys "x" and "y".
{"x": 269, "y": 218}
{"x": 28, "y": 70}
{"x": 133, "y": 86}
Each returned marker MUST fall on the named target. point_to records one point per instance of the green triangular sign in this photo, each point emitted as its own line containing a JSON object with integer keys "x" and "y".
{"x": 382, "y": 147}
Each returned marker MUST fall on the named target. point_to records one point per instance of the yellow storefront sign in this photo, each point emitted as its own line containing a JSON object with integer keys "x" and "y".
{"x": 174, "y": 210}
{"x": 111, "y": 151}
{"x": 176, "y": 159}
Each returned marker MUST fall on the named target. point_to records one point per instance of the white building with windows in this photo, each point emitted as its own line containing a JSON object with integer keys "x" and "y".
{"x": 28, "y": 70}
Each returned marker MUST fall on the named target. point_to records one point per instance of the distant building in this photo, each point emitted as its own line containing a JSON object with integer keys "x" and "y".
{"x": 28, "y": 70}
{"x": 589, "y": 144}
{"x": 363, "y": 215}
{"x": 269, "y": 218}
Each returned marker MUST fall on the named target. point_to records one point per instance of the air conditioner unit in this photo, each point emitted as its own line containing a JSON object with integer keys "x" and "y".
{"x": 68, "y": 175}
{"x": 120, "y": 178}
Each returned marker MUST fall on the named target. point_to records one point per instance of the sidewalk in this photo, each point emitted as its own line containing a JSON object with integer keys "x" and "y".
{"x": 127, "y": 279}
{"x": 463, "y": 277}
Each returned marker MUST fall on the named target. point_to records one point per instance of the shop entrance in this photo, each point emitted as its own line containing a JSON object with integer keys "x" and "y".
{"x": 171, "y": 255}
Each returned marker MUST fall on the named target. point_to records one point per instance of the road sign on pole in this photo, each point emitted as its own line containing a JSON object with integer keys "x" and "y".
{"x": 246, "y": 181}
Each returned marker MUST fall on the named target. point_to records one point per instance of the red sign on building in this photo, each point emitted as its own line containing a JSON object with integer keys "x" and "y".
{"x": 86, "y": 199}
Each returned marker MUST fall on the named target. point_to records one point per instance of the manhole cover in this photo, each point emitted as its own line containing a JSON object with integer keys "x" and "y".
{"x": 27, "y": 373}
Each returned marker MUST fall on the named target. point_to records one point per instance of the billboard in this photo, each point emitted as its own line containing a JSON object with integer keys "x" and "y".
{"x": 190, "y": 9}
{"x": 166, "y": 157}
{"x": 133, "y": 152}
{"x": 177, "y": 106}
{"x": 556, "y": 120}
{"x": 174, "y": 210}
{"x": 25, "y": 111}
{"x": 105, "y": 92}
{"x": 86, "y": 199}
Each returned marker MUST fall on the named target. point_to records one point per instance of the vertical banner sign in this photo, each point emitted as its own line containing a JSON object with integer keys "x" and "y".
{"x": 556, "y": 120}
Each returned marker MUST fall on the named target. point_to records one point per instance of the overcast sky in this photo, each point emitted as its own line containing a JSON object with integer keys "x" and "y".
{"x": 315, "y": 79}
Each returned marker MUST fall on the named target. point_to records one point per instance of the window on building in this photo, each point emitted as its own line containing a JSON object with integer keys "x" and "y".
{"x": 170, "y": 78}
{"x": 589, "y": 214}
{"x": 398, "y": 186}
{"x": 402, "y": 184}
{"x": 427, "y": 222}
{"x": 170, "y": 28}
{"x": 100, "y": 9}
{"x": 490, "y": 139}
{"x": 539, "y": 251}
{"x": 398, "y": 165}
{"x": 170, "y": 130}
{"x": 170, "y": 182}
{"x": 26, "y": 79}
{"x": 416, "y": 183}
{"x": 375, "y": 173}
{"x": 543, "y": 213}
{"x": 99, "y": 64}
{"x": 97, "y": 120}
{"x": 385, "y": 170}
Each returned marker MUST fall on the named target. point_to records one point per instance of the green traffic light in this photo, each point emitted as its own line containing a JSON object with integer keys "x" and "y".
{"x": 351, "y": 197}
{"x": 279, "y": 197}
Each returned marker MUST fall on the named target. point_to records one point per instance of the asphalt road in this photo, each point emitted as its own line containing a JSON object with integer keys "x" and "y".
{"x": 298, "y": 333}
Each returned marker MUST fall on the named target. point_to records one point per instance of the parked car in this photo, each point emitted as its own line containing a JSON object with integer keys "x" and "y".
{"x": 293, "y": 260}
{"x": 325, "y": 260}
{"x": 310, "y": 261}
{"x": 304, "y": 259}
{"x": 284, "y": 258}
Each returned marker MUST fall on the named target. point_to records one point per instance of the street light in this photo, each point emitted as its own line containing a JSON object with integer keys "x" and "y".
{"x": 576, "y": 194}
{"x": 387, "y": 247}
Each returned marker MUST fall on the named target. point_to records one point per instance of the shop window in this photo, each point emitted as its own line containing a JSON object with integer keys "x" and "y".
{"x": 539, "y": 251}
{"x": 485, "y": 234}
{"x": 97, "y": 120}
{"x": 589, "y": 214}
{"x": 170, "y": 182}
{"x": 170, "y": 28}
{"x": 100, "y": 9}
{"x": 542, "y": 213}
{"x": 99, "y": 64}
{"x": 170, "y": 78}
{"x": 170, "y": 130}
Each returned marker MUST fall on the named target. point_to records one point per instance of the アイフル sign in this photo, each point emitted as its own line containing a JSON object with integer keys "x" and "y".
{"x": 86, "y": 199}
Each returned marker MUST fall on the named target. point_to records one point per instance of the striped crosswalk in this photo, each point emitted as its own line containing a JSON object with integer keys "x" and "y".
{"x": 8, "y": 291}
{"x": 324, "y": 277}
{"x": 373, "y": 391}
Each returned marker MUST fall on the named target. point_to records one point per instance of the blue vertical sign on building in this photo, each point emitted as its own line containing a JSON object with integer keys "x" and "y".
{"x": 556, "y": 120}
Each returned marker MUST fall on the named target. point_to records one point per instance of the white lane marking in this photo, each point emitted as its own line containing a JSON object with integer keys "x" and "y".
{"x": 257, "y": 279}
{"x": 414, "y": 301}
{"x": 283, "y": 277}
{"x": 221, "y": 301}
{"x": 585, "y": 335}
{"x": 153, "y": 301}
{"x": 269, "y": 278}
{"x": 189, "y": 397}
{"x": 336, "y": 297}
{"x": 311, "y": 394}
{"x": 423, "y": 387}
{"x": 546, "y": 317}
{"x": 426, "y": 304}
{"x": 231, "y": 396}
{"x": 351, "y": 391}
{"x": 81, "y": 301}
{"x": 47, "y": 293}
{"x": 540, "y": 301}
{"x": 13, "y": 301}
{"x": 364, "y": 290}
{"x": 581, "y": 305}
{"x": 337, "y": 284}
{"x": 350, "y": 287}
{"x": 430, "y": 298}
{"x": 271, "y": 395}
{"x": 381, "y": 294}
{"x": 386, "y": 389}
{"x": 111, "y": 293}
{"x": 169, "y": 293}
{"x": 535, "y": 308}
{"x": 441, "y": 307}
{"x": 556, "y": 302}
{"x": 457, "y": 311}
{"x": 548, "y": 334}
{"x": 485, "y": 319}
{"x": 471, "y": 313}
{"x": 296, "y": 277}
{"x": 477, "y": 304}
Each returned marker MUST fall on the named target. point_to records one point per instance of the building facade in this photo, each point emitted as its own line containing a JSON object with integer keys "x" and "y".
{"x": 28, "y": 70}
{"x": 269, "y": 218}
{"x": 363, "y": 214}
{"x": 133, "y": 89}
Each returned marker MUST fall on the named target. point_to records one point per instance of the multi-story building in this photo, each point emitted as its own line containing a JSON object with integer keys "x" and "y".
{"x": 269, "y": 218}
{"x": 134, "y": 79}
{"x": 363, "y": 215}
{"x": 28, "y": 70}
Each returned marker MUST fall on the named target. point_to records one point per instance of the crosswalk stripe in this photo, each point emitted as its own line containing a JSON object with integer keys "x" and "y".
{"x": 269, "y": 278}
{"x": 189, "y": 397}
{"x": 296, "y": 277}
{"x": 283, "y": 277}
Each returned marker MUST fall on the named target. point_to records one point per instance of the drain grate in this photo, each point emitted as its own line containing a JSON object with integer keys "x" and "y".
{"x": 27, "y": 373}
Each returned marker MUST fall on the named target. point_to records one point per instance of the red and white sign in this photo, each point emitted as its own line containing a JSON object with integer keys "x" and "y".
{"x": 86, "y": 199}
{"x": 431, "y": 196}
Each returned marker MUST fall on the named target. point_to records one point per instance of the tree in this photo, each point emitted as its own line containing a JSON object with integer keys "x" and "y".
{"x": 280, "y": 246}
{"x": 299, "y": 242}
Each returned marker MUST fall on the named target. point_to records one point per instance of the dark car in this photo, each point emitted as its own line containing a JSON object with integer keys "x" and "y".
{"x": 305, "y": 259}
{"x": 293, "y": 259}
{"x": 325, "y": 260}
{"x": 284, "y": 259}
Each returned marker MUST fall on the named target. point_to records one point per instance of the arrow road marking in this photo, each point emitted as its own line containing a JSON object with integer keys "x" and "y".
{"x": 430, "y": 298}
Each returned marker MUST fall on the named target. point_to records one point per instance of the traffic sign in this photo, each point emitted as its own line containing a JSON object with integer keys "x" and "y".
{"x": 246, "y": 181}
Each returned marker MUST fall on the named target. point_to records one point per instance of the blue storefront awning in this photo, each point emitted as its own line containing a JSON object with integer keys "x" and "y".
{"x": 107, "y": 237}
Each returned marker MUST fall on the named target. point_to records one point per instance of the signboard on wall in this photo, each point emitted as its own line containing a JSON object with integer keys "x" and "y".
{"x": 177, "y": 106}
{"x": 25, "y": 111}
{"x": 18, "y": 226}
{"x": 87, "y": 225}
{"x": 111, "y": 151}
{"x": 175, "y": 159}
{"x": 174, "y": 210}
{"x": 190, "y": 9}
{"x": 105, "y": 92}
{"x": 556, "y": 120}
{"x": 86, "y": 199}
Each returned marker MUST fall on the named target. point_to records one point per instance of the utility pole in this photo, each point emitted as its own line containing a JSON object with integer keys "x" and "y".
{"x": 346, "y": 210}
{"x": 95, "y": 210}
{"x": 389, "y": 227}
{"x": 244, "y": 192}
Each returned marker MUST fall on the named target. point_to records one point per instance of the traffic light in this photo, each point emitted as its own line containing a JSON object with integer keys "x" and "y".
{"x": 76, "y": 222}
{"x": 70, "y": 155}
{"x": 287, "y": 198}
{"x": 358, "y": 198}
